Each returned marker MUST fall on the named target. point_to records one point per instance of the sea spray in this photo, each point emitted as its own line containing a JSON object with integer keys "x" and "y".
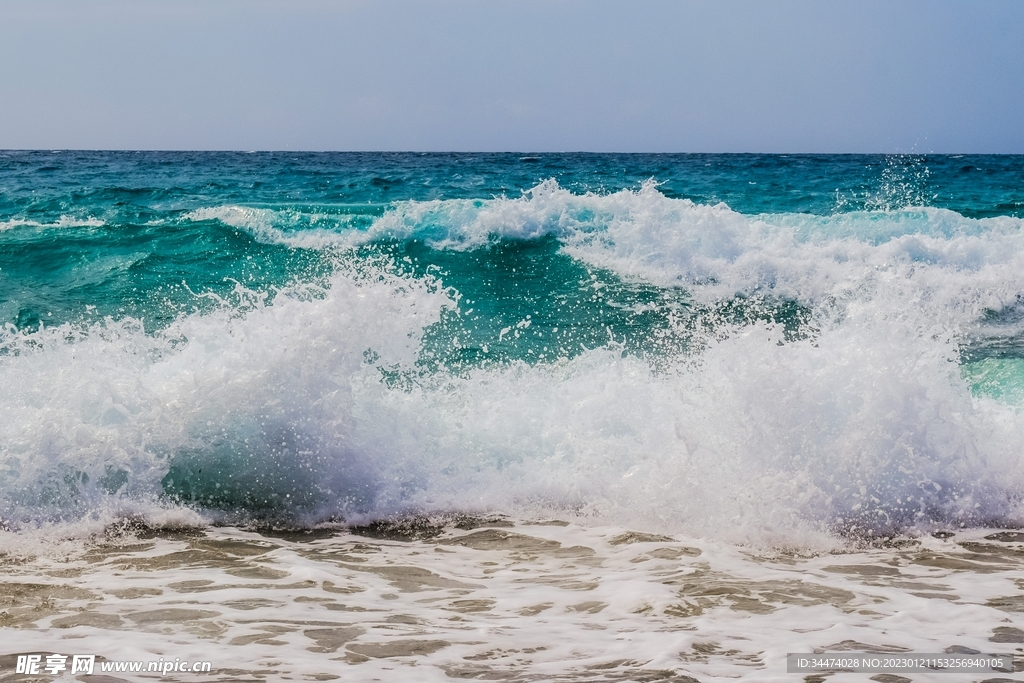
{"x": 341, "y": 350}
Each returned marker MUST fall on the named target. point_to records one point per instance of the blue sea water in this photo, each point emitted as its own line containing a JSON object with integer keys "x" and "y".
{"x": 747, "y": 346}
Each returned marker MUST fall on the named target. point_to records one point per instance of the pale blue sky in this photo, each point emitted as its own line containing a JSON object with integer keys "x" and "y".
{"x": 537, "y": 75}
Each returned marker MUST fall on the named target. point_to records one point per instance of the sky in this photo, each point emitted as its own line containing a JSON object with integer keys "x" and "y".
{"x": 891, "y": 76}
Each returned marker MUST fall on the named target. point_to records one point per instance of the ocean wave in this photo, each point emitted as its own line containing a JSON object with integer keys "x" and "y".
{"x": 947, "y": 272}
{"x": 296, "y": 228}
{"x": 315, "y": 408}
{"x": 321, "y": 405}
{"x": 676, "y": 242}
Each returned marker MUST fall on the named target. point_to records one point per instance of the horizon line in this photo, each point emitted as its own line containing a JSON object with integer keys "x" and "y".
{"x": 525, "y": 153}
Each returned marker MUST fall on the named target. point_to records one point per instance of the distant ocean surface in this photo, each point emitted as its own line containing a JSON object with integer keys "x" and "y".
{"x": 555, "y": 417}
{"x": 754, "y": 348}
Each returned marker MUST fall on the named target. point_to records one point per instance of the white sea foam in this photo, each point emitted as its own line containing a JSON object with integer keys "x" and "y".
{"x": 866, "y": 425}
{"x": 758, "y": 442}
{"x": 106, "y": 407}
{"x": 532, "y": 602}
{"x": 291, "y": 227}
{"x": 62, "y": 222}
{"x": 711, "y": 249}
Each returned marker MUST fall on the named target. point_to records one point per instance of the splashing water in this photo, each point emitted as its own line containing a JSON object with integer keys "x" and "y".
{"x": 391, "y": 335}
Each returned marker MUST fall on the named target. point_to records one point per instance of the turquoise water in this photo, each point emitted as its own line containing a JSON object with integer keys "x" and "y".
{"x": 701, "y": 342}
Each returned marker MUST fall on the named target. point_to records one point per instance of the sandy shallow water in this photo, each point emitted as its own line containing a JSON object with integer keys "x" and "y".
{"x": 502, "y": 600}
